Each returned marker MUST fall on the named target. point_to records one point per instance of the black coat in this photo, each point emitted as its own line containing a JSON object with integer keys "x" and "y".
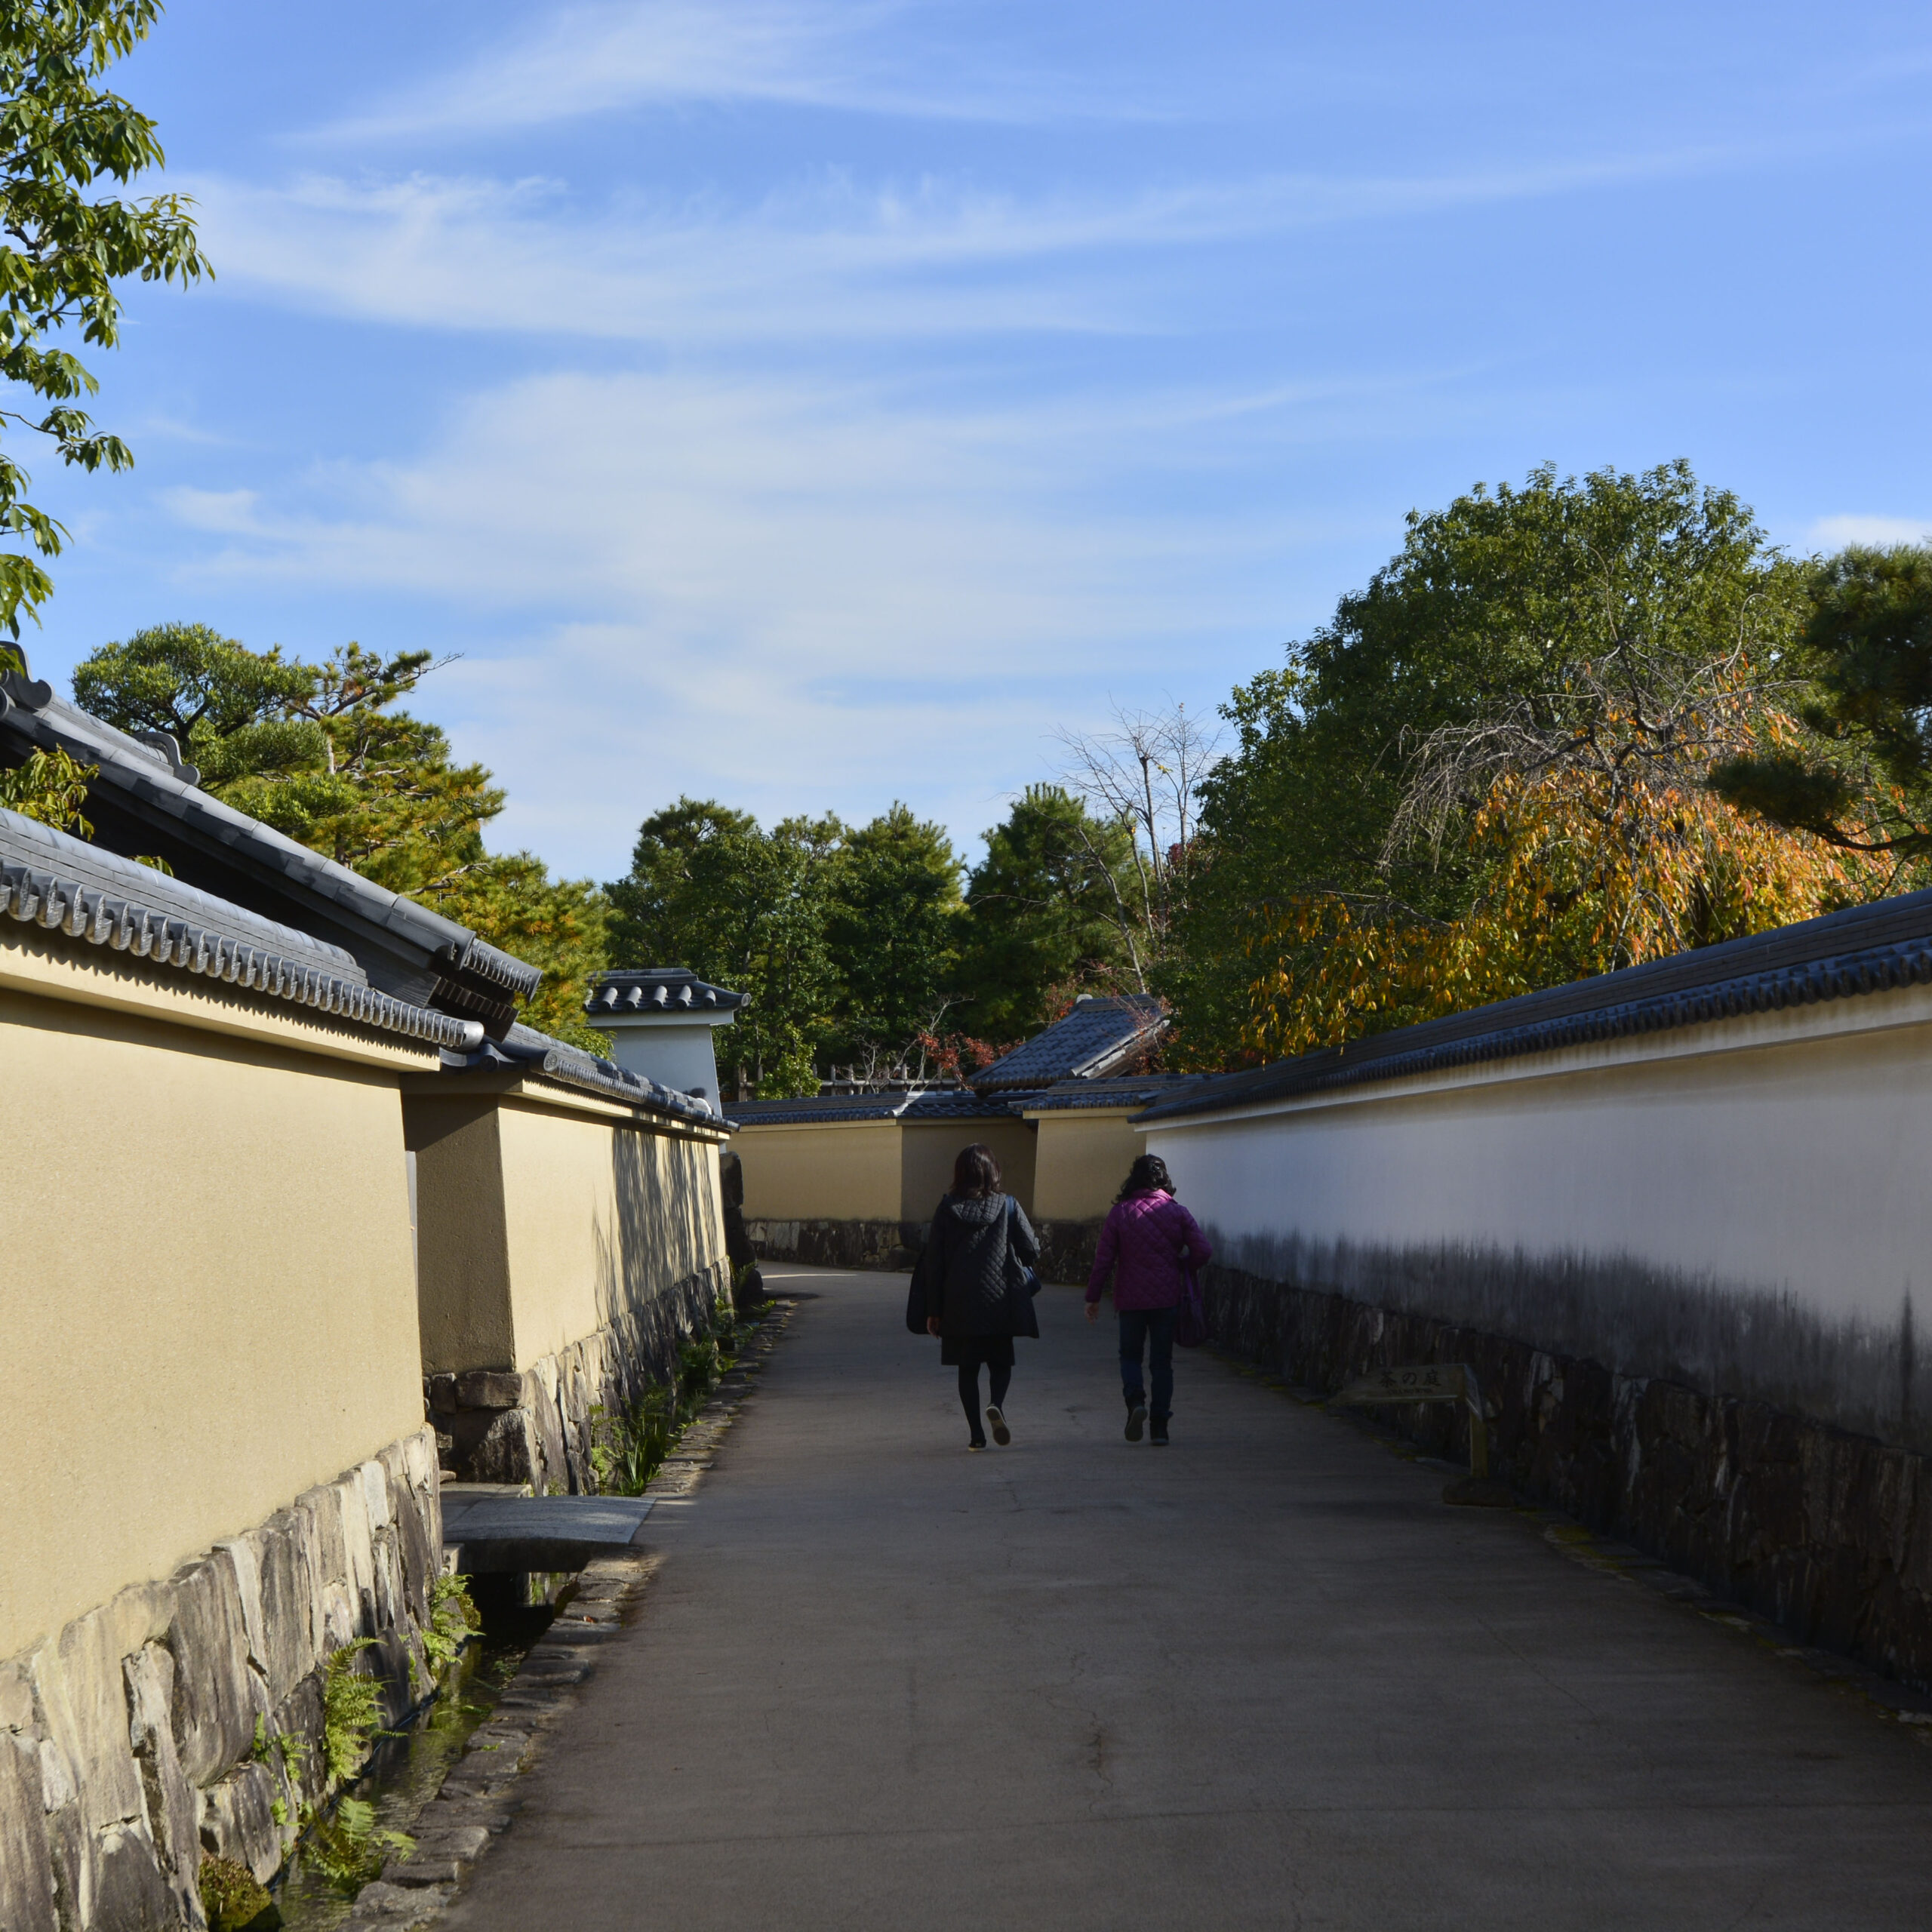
{"x": 969, "y": 1284}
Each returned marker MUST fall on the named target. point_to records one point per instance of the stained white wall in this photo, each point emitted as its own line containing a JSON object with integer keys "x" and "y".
{"x": 1789, "y": 1150}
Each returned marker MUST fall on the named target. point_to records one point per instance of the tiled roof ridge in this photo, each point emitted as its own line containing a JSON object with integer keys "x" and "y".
{"x": 649, "y": 989}
{"x": 540, "y": 1056}
{"x": 1800, "y": 983}
{"x": 34, "y": 897}
{"x": 1028, "y": 1065}
{"x": 132, "y": 765}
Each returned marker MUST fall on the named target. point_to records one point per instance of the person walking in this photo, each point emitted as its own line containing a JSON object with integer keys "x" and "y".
{"x": 979, "y": 1277}
{"x": 1147, "y": 1237}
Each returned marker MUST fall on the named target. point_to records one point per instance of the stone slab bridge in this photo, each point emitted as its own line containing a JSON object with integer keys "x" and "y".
{"x": 1264, "y": 1677}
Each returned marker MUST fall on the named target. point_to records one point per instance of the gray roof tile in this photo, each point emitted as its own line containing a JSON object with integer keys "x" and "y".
{"x": 1863, "y": 949}
{"x": 402, "y": 946}
{"x": 1094, "y": 1036}
{"x": 663, "y": 989}
{"x": 49, "y": 880}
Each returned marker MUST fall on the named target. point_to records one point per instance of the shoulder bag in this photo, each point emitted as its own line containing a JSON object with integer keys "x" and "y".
{"x": 1019, "y": 1276}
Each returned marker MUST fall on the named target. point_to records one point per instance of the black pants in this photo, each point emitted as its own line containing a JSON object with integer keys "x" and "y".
{"x": 999, "y": 1378}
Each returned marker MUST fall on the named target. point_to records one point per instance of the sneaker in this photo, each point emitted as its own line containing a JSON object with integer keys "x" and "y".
{"x": 1158, "y": 1438}
{"x": 996, "y": 1422}
{"x": 974, "y": 1448}
{"x": 1137, "y": 1417}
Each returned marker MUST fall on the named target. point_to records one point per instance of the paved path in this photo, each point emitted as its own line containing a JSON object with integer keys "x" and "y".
{"x": 1264, "y": 1678}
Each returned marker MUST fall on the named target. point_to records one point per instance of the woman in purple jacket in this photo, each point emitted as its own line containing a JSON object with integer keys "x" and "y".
{"x": 1148, "y": 1234}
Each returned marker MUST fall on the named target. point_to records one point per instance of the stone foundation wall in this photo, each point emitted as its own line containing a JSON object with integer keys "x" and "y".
{"x": 127, "y": 1738}
{"x": 535, "y": 1425}
{"x": 1067, "y": 1247}
{"x": 881, "y": 1244}
{"x": 1826, "y": 1531}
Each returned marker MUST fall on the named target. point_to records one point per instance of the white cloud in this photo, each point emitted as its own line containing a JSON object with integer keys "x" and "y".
{"x": 833, "y": 259}
{"x": 795, "y": 594}
{"x": 879, "y": 58}
{"x": 1834, "y": 533}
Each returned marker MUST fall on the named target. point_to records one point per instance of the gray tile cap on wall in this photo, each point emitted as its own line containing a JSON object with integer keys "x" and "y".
{"x": 524, "y": 1050}
{"x": 60, "y": 884}
{"x": 1863, "y": 949}
{"x": 407, "y": 946}
{"x": 647, "y": 989}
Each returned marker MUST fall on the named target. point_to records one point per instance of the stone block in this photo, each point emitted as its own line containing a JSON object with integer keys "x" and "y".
{"x": 216, "y": 1697}
{"x": 506, "y": 1451}
{"x": 92, "y": 1783}
{"x": 490, "y": 1388}
{"x": 125, "y": 1890}
{"x": 424, "y": 1867}
{"x": 280, "y": 1605}
{"x": 26, "y": 1870}
{"x": 173, "y": 1804}
{"x": 238, "y": 1819}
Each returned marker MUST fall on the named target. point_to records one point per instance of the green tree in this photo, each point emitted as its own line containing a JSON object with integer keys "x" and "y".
{"x": 62, "y": 250}
{"x": 320, "y": 752}
{"x": 893, "y": 930}
{"x": 1863, "y": 779}
{"x": 708, "y": 889}
{"x": 560, "y": 926}
{"x": 1040, "y": 921}
{"x": 1564, "y": 662}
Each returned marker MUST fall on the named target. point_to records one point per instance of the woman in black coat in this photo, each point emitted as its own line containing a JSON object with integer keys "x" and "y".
{"x": 979, "y": 1266}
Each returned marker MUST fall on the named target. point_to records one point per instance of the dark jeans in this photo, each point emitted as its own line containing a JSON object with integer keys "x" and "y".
{"x": 1152, "y": 1329}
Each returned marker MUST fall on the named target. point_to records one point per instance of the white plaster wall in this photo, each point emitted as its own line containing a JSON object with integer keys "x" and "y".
{"x": 1782, "y": 1151}
{"x": 675, "y": 1052}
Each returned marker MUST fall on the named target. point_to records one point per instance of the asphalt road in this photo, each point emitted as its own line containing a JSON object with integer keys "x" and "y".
{"x": 1263, "y": 1679}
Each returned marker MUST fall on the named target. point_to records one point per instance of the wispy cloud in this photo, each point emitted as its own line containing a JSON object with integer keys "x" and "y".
{"x": 779, "y": 589}
{"x": 833, "y": 258}
{"x": 884, "y": 57}
{"x": 1834, "y": 533}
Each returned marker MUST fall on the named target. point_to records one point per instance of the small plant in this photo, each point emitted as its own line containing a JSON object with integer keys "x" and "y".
{"x": 347, "y": 1849}
{"x": 697, "y": 1369}
{"x": 453, "y": 1616}
{"x": 351, "y": 1705}
{"x": 282, "y": 1744}
{"x": 628, "y": 1447}
{"x": 278, "y": 1811}
{"x": 233, "y": 1897}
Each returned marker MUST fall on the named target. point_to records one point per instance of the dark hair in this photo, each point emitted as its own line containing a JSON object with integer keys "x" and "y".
{"x": 1148, "y": 1172}
{"x": 976, "y": 1173}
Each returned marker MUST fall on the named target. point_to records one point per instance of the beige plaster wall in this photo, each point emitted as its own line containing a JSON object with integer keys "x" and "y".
{"x": 600, "y": 1216}
{"x": 207, "y": 1303}
{"x": 841, "y": 1171}
{"x": 928, "y": 1152}
{"x": 541, "y": 1221}
{"x": 1083, "y": 1156}
{"x": 463, "y": 1260}
{"x": 1786, "y": 1150}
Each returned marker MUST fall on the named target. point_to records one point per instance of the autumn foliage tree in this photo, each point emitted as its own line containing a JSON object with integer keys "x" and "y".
{"x": 1577, "y": 656}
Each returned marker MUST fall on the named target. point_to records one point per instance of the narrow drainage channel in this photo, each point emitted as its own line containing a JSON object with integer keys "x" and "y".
{"x": 408, "y": 1771}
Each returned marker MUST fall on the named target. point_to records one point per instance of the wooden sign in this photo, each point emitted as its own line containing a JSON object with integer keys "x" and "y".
{"x": 1426, "y": 1382}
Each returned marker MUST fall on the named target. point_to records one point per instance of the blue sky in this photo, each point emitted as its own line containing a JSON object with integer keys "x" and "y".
{"x": 814, "y": 405}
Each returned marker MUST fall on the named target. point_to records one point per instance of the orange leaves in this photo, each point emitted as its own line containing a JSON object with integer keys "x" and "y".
{"x": 1581, "y": 870}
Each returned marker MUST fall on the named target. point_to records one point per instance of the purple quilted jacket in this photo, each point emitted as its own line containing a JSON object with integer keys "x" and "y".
{"x": 1143, "y": 1238}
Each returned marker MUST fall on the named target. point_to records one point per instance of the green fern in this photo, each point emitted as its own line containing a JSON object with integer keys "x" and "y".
{"x": 351, "y": 1705}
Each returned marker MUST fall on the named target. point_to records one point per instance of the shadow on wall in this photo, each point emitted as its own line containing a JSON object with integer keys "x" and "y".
{"x": 666, "y": 1245}
{"x": 1632, "y": 1318}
